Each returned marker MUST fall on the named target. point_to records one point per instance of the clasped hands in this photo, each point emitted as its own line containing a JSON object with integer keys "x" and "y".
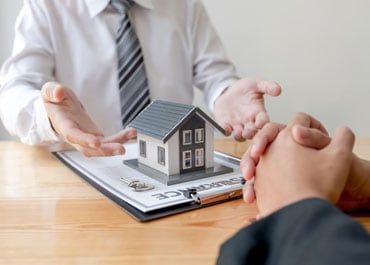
{"x": 289, "y": 163}
{"x": 239, "y": 110}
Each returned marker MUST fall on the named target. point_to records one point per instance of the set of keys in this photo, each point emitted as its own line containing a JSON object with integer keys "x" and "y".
{"x": 137, "y": 185}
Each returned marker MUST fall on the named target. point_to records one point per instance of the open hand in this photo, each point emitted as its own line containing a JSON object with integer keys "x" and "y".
{"x": 73, "y": 124}
{"x": 241, "y": 110}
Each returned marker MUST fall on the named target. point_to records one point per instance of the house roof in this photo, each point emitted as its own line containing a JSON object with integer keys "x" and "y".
{"x": 161, "y": 119}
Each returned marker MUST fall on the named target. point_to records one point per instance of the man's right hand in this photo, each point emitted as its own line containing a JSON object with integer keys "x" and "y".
{"x": 70, "y": 120}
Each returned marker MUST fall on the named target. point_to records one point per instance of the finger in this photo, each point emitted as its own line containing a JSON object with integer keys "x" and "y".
{"x": 77, "y": 137}
{"x": 228, "y": 130}
{"x": 249, "y": 130}
{"x": 112, "y": 149}
{"x": 269, "y": 87}
{"x": 310, "y": 137}
{"x": 88, "y": 151}
{"x": 248, "y": 165}
{"x": 340, "y": 149}
{"x": 261, "y": 119}
{"x": 52, "y": 92}
{"x": 121, "y": 137}
{"x": 264, "y": 137}
{"x": 224, "y": 123}
{"x": 342, "y": 142}
{"x": 104, "y": 150}
{"x": 238, "y": 132}
{"x": 306, "y": 120}
{"x": 227, "y": 127}
{"x": 248, "y": 193}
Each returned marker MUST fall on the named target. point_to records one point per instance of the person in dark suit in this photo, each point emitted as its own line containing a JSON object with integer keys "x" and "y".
{"x": 302, "y": 181}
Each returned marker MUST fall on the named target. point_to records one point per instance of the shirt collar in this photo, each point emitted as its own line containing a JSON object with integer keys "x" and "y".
{"x": 97, "y": 6}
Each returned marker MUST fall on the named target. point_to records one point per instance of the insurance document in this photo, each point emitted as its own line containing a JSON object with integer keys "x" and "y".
{"x": 109, "y": 173}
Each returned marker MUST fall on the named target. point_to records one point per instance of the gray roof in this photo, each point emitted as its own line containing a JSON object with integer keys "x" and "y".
{"x": 161, "y": 119}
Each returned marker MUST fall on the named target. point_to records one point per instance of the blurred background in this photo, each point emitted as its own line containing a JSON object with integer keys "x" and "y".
{"x": 318, "y": 50}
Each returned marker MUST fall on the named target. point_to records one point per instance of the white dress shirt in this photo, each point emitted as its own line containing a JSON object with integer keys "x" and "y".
{"x": 74, "y": 42}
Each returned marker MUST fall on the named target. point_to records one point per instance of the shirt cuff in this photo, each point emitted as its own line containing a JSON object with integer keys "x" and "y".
{"x": 41, "y": 132}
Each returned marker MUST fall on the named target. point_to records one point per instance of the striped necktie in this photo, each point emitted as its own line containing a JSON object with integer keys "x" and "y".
{"x": 133, "y": 84}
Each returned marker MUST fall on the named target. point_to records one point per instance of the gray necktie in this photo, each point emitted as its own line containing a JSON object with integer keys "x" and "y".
{"x": 133, "y": 84}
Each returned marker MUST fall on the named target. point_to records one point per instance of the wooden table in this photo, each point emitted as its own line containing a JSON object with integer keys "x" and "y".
{"x": 49, "y": 215}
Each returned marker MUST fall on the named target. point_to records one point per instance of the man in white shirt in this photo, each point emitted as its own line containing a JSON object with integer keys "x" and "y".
{"x": 67, "y": 50}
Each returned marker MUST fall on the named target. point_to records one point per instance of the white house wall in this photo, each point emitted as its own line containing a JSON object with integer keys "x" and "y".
{"x": 151, "y": 159}
{"x": 171, "y": 154}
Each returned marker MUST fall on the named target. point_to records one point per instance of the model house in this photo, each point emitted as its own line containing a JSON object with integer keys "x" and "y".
{"x": 175, "y": 140}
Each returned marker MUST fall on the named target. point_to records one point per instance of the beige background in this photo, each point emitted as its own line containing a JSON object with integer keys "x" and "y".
{"x": 318, "y": 50}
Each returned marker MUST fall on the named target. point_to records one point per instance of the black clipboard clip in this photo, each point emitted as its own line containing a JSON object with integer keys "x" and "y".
{"x": 225, "y": 195}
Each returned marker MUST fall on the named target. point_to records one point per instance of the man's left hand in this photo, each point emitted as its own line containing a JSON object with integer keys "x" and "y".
{"x": 241, "y": 110}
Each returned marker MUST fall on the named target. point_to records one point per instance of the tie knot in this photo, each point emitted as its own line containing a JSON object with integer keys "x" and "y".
{"x": 122, "y": 6}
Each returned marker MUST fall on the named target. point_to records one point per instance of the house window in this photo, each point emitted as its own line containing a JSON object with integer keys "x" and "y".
{"x": 186, "y": 160}
{"x": 142, "y": 148}
{"x": 199, "y": 157}
{"x": 199, "y": 136}
{"x": 161, "y": 156}
{"x": 186, "y": 137}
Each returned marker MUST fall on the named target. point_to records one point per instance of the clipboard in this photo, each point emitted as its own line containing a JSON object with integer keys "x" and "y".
{"x": 195, "y": 196}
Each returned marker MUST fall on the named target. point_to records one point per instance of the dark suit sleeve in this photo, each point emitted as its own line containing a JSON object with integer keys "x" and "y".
{"x": 311, "y": 231}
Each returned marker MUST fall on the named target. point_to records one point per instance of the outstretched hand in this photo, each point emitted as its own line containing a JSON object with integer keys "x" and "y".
{"x": 73, "y": 124}
{"x": 241, "y": 110}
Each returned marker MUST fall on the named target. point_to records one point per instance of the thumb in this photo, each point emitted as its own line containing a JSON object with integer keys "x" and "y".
{"x": 340, "y": 153}
{"x": 342, "y": 144}
{"x": 269, "y": 87}
{"x": 310, "y": 137}
{"x": 52, "y": 92}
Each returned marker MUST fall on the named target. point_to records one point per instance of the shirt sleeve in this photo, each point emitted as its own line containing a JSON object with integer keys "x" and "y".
{"x": 30, "y": 66}
{"x": 311, "y": 231}
{"x": 213, "y": 71}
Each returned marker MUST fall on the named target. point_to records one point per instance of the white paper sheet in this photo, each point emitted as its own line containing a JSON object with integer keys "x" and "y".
{"x": 107, "y": 171}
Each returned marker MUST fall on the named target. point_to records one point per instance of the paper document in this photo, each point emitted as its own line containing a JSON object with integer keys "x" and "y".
{"x": 107, "y": 171}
